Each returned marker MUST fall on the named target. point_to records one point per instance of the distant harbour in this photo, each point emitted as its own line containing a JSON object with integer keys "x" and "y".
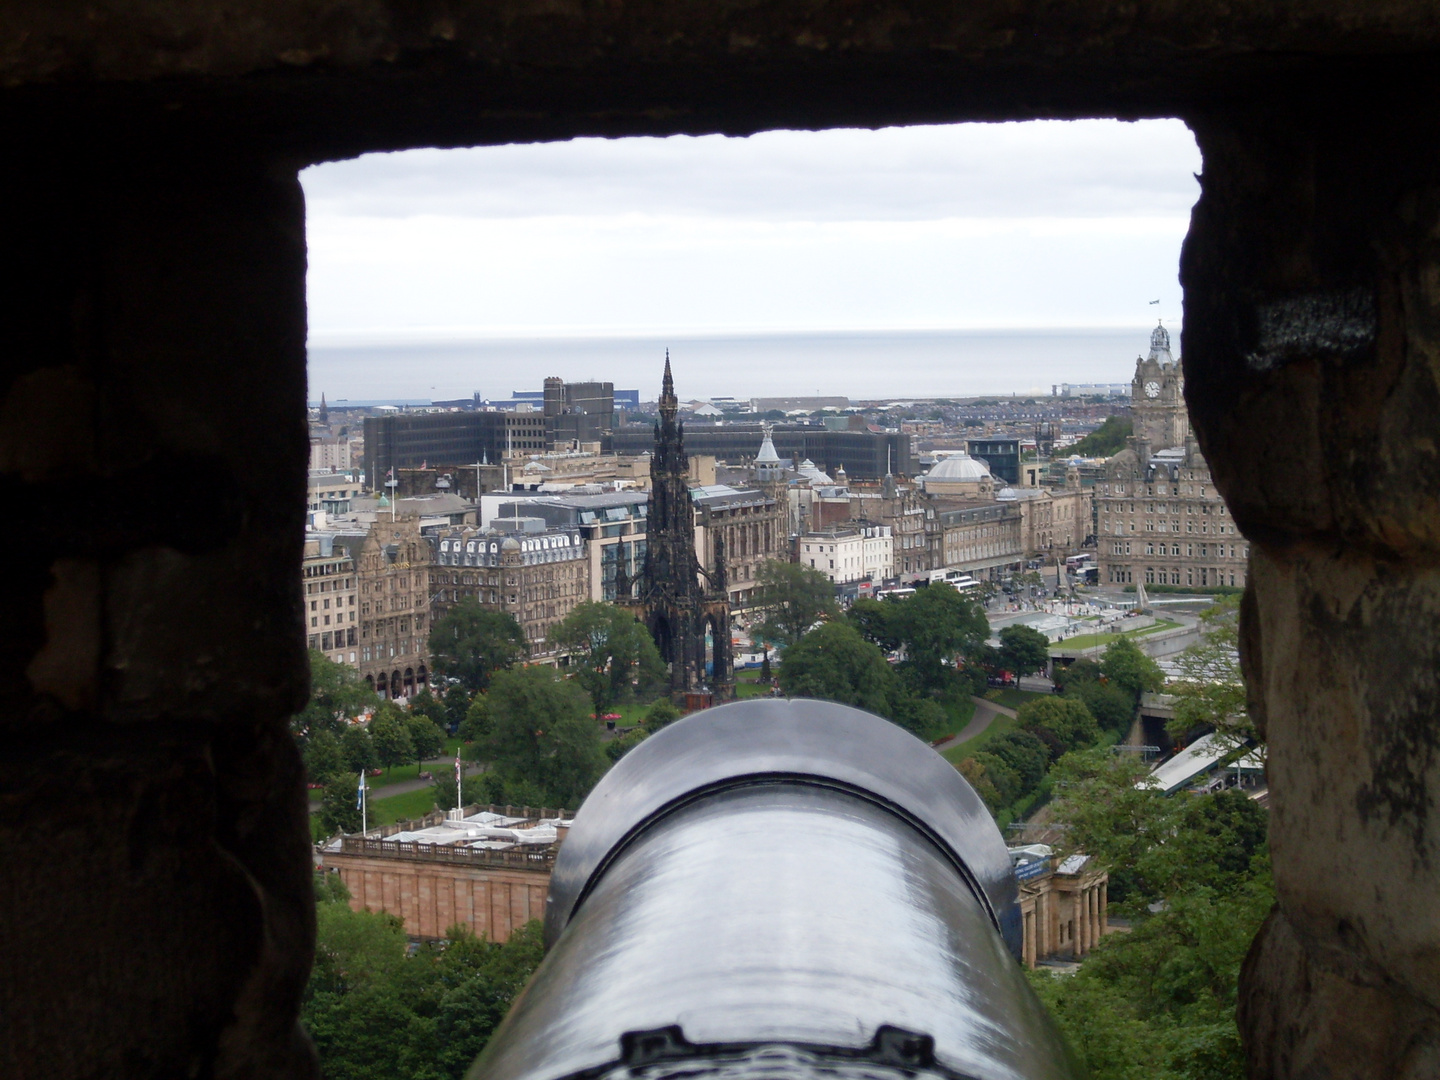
{"x": 861, "y": 365}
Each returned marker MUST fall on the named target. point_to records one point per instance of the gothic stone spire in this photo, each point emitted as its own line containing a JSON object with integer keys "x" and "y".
{"x": 669, "y": 404}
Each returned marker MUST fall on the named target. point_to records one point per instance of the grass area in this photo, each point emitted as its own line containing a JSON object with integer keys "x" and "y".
{"x": 1012, "y": 698}
{"x": 959, "y": 711}
{"x": 393, "y": 808}
{"x": 999, "y": 726}
{"x": 401, "y": 773}
{"x": 1090, "y": 641}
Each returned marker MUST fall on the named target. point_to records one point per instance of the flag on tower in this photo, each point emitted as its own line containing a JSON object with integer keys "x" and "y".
{"x": 360, "y": 792}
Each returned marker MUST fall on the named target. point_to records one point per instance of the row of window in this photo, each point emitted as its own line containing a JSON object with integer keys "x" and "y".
{"x": 1203, "y": 576}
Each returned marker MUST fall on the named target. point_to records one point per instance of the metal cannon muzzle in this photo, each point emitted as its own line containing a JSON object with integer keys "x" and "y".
{"x": 780, "y": 889}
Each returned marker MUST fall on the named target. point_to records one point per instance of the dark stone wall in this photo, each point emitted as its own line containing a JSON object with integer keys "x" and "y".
{"x": 155, "y": 909}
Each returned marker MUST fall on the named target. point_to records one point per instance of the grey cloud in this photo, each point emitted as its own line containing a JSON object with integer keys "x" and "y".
{"x": 1060, "y": 169}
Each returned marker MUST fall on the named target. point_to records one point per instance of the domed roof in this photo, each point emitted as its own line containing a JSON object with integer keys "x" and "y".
{"x": 510, "y": 544}
{"x": 959, "y": 467}
{"x": 1007, "y": 493}
{"x": 767, "y": 454}
{"x": 811, "y": 472}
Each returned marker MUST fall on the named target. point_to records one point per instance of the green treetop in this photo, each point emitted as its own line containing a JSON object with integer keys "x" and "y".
{"x": 612, "y": 651}
{"x": 336, "y": 693}
{"x": 1130, "y": 669}
{"x": 390, "y": 734}
{"x": 1023, "y": 650}
{"x": 791, "y": 598}
{"x": 543, "y": 742}
{"x": 472, "y": 643}
{"x": 834, "y": 663}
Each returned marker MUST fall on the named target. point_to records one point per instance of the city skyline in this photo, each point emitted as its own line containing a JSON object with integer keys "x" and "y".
{"x": 1005, "y": 227}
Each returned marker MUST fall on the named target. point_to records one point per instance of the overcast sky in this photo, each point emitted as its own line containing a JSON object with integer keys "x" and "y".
{"x": 1047, "y": 224}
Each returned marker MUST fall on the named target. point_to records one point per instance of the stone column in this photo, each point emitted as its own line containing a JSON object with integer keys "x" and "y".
{"x": 1312, "y": 359}
{"x": 154, "y": 381}
{"x": 1104, "y": 908}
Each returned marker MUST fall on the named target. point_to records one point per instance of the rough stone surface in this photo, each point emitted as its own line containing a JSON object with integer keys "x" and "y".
{"x": 155, "y": 909}
{"x": 1310, "y": 349}
{"x": 155, "y": 906}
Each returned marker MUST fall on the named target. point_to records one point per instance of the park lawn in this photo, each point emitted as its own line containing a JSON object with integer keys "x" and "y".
{"x": 1089, "y": 641}
{"x": 999, "y": 726}
{"x": 959, "y": 711}
{"x": 393, "y": 808}
{"x": 1012, "y": 698}
{"x": 400, "y": 773}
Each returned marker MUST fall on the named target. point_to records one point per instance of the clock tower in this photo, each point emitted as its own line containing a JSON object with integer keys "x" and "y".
{"x": 1157, "y": 396}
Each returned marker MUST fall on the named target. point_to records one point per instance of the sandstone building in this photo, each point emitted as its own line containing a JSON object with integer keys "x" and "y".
{"x": 393, "y": 574}
{"x": 1161, "y": 519}
{"x": 534, "y": 573}
{"x": 1064, "y": 904}
{"x": 488, "y": 871}
{"x": 331, "y": 591}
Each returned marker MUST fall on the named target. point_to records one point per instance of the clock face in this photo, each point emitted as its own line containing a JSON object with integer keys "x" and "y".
{"x": 1152, "y": 389}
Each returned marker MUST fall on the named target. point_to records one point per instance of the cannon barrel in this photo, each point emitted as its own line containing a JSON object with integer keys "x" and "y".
{"x": 780, "y": 889}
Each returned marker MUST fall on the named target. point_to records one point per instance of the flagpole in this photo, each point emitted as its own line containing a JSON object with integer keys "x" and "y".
{"x": 459, "y": 800}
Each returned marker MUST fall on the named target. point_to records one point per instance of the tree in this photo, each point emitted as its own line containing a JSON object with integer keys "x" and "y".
{"x": 1106, "y": 440}
{"x": 339, "y": 806}
{"x": 377, "y": 1008}
{"x": 1210, "y": 690}
{"x": 542, "y": 738}
{"x": 475, "y": 729}
{"x": 1111, "y": 706}
{"x": 457, "y": 704}
{"x": 1071, "y": 676}
{"x": 427, "y": 704}
{"x": 359, "y": 750}
{"x": 1113, "y": 811}
{"x": 975, "y": 774}
{"x": 1062, "y": 723}
{"x": 1023, "y": 650}
{"x": 663, "y": 713}
{"x": 791, "y": 598}
{"x": 426, "y": 738}
{"x": 875, "y": 620}
{"x": 1015, "y": 763}
{"x": 615, "y": 749}
{"x": 336, "y": 694}
{"x": 390, "y": 735}
{"x": 472, "y": 643}
{"x": 1130, "y": 669}
{"x": 938, "y": 627}
{"x": 323, "y": 756}
{"x": 611, "y": 649}
{"x": 483, "y": 790}
{"x": 834, "y": 663}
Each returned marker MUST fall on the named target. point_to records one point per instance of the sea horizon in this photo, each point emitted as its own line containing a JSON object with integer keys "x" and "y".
{"x": 861, "y": 365}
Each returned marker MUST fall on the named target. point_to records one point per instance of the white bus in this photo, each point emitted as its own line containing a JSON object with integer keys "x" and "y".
{"x": 958, "y": 578}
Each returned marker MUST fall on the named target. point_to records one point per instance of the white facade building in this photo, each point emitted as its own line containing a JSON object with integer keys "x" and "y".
{"x": 850, "y": 552}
